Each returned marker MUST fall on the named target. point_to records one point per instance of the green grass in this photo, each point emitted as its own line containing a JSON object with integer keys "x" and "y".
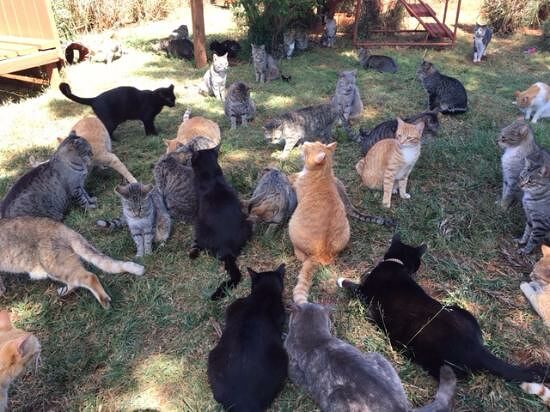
{"x": 150, "y": 350}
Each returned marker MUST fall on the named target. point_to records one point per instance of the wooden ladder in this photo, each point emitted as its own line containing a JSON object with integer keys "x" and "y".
{"x": 420, "y": 11}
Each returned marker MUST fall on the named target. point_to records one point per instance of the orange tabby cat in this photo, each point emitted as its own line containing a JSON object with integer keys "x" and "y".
{"x": 535, "y": 99}
{"x": 388, "y": 164}
{"x": 17, "y": 350}
{"x": 319, "y": 227}
{"x": 192, "y": 127}
{"x": 538, "y": 290}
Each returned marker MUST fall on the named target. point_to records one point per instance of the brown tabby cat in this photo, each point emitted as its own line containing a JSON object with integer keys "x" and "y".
{"x": 319, "y": 227}
{"x": 388, "y": 164}
{"x": 17, "y": 350}
{"x": 192, "y": 127}
{"x": 44, "y": 248}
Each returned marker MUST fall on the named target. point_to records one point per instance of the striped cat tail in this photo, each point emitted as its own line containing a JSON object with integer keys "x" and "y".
{"x": 186, "y": 115}
{"x": 117, "y": 223}
{"x": 305, "y": 277}
{"x": 537, "y": 389}
{"x": 445, "y": 393}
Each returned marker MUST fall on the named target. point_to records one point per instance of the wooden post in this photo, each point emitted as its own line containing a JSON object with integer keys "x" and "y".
{"x": 199, "y": 39}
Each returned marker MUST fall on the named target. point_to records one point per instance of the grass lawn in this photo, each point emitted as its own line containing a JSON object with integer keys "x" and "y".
{"x": 150, "y": 350}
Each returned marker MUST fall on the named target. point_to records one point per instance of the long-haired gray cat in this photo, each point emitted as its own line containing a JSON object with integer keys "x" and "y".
{"x": 346, "y": 98}
{"x": 213, "y": 81}
{"x": 445, "y": 93}
{"x": 339, "y": 377}
{"x": 482, "y": 37}
{"x": 238, "y": 106}
{"x": 383, "y": 64}
{"x": 265, "y": 66}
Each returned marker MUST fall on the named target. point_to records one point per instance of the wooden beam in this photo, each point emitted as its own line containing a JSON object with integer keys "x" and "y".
{"x": 199, "y": 39}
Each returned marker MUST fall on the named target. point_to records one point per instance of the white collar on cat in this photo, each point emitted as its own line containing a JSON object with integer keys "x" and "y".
{"x": 394, "y": 260}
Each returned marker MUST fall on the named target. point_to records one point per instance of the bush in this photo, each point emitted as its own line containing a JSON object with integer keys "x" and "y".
{"x": 375, "y": 16}
{"x": 546, "y": 34}
{"x": 506, "y": 16}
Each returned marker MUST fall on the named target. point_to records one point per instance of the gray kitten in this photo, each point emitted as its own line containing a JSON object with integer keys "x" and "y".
{"x": 383, "y": 64}
{"x": 265, "y": 65}
{"x": 445, "y": 93}
{"x": 213, "y": 81}
{"x": 47, "y": 190}
{"x": 339, "y": 377}
{"x": 347, "y": 99}
{"x": 482, "y": 37}
{"x": 518, "y": 142}
{"x": 145, "y": 214}
{"x": 328, "y": 38}
{"x": 238, "y": 106}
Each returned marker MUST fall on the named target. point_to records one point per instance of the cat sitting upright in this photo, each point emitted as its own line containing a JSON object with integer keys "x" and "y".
{"x": 213, "y": 81}
{"x": 347, "y": 99}
{"x": 482, "y": 37}
{"x": 445, "y": 93}
{"x": 239, "y": 107}
{"x": 265, "y": 66}
{"x": 535, "y": 99}
{"x": 117, "y": 105}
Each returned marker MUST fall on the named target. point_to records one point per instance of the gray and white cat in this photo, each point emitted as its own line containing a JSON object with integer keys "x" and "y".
{"x": 47, "y": 190}
{"x": 238, "y": 106}
{"x": 265, "y": 66}
{"x": 482, "y": 37}
{"x": 294, "y": 39}
{"x": 383, "y": 64}
{"x": 144, "y": 213}
{"x": 339, "y": 377}
{"x": 347, "y": 99}
{"x": 213, "y": 81}
{"x": 328, "y": 38}
{"x": 445, "y": 93}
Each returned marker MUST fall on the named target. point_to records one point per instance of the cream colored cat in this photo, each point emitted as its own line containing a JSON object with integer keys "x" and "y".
{"x": 192, "y": 127}
{"x": 538, "y": 290}
{"x": 388, "y": 164}
{"x": 535, "y": 99}
{"x": 17, "y": 350}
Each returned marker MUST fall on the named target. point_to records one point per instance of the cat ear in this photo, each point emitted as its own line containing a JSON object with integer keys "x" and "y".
{"x": 253, "y": 274}
{"x": 171, "y": 87}
{"x": 524, "y": 129}
{"x": 146, "y": 189}
{"x": 225, "y": 55}
{"x": 21, "y": 346}
{"x": 422, "y": 249}
{"x": 319, "y": 157}
{"x": 545, "y": 171}
{"x": 331, "y": 147}
{"x": 545, "y": 250}
{"x": 122, "y": 190}
{"x": 517, "y": 93}
{"x": 420, "y": 127}
{"x": 5, "y": 322}
{"x": 166, "y": 142}
{"x": 60, "y": 139}
{"x": 281, "y": 269}
{"x": 400, "y": 121}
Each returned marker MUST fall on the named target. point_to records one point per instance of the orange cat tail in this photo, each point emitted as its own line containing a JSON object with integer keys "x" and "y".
{"x": 301, "y": 290}
{"x": 537, "y": 389}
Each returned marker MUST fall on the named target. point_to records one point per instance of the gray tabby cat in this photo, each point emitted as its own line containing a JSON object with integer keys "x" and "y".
{"x": 535, "y": 182}
{"x": 145, "y": 214}
{"x": 383, "y": 64}
{"x": 47, "y": 190}
{"x": 328, "y": 38}
{"x": 265, "y": 65}
{"x": 347, "y": 99}
{"x": 213, "y": 81}
{"x": 445, "y": 93}
{"x": 341, "y": 378}
{"x": 518, "y": 142}
{"x": 482, "y": 37}
{"x": 295, "y": 38}
{"x": 238, "y": 106}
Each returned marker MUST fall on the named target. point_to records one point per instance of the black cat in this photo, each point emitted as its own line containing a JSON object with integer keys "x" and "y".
{"x": 178, "y": 48}
{"x": 248, "y": 367}
{"x": 231, "y": 47}
{"x": 220, "y": 227}
{"x": 430, "y": 333}
{"x": 117, "y": 105}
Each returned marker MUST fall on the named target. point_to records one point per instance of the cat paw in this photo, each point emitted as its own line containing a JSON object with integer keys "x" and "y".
{"x": 64, "y": 290}
{"x": 405, "y": 196}
{"x": 134, "y": 268}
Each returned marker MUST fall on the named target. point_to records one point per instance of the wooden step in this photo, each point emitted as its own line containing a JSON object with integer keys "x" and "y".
{"x": 19, "y": 49}
{"x": 438, "y": 30}
{"x": 419, "y": 9}
{"x": 40, "y": 44}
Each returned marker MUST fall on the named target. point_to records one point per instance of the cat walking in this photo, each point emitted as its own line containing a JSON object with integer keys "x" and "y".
{"x": 482, "y": 37}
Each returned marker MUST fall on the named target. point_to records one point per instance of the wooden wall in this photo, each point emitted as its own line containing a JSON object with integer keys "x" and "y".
{"x": 27, "y": 18}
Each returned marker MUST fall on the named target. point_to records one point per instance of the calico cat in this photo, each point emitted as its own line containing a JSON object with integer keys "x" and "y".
{"x": 18, "y": 349}
{"x": 328, "y": 38}
{"x": 538, "y": 290}
{"x": 383, "y": 64}
{"x": 432, "y": 334}
{"x": 221, "y": 227}
{"x": 482, "y": 37}
{"x": 318, "y": 228}
{"x": 196, "y": 128}
{"x": 117, "y": 105}
{"x": 306, "y": 124}
{"x": 248, "y": 366}
{"x": 145, "y": 214}
{"x": 347, "y": 99}
{"x": 445, "y": 93}
{"x": 46, "y": 249}
{"x": 535, "y": 99}
{"x": 213, "y": 81}
{"x": 339, "y": 377}
{"x": 231, "y": 47}
{"x": 177, "y": 48}
{"x": 387, "y": 129}
{"x": 238, "y": 106}
{"x": 265, "y": 66}
{"x": 388, "y": 164}
{"x": 518, "y": 142}
{"x": 47, "y": 190}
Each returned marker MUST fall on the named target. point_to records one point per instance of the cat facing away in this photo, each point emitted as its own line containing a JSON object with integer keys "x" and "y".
{"x": 248, "y": 367}
{"x": 328, "y": 38}
{"x": 265, "y": 66}
{"x": 220, "y": 228}
{"x": 18, "y": 350}
{"x": 430, "y": 333}
{"x": 535, "y": 100}
{"x": 238, "y": 106}
{"x": 445, "y": 93}
{"x": 46, "y": 249}
{"x": 145, "y": 214}
{"x": 347, "y": 99}
{"x": 120, "y": 104}
{"x": 197, "y": 128}
{"x": 341, "y": 378}
{"x": 48, "y": 189}
{"x": 213, "y": 81}
{"x": 482, "y": 37}
{"x": 382, "y": 64}
{"x": 388, "y": 164}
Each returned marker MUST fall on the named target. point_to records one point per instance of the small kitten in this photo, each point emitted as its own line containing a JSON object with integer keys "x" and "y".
{"x": 347, "y": 99}
{"x": 388, "y": 164}
{"x": 535, "y": 99}
{"x": 46, "y": 249}
{"x": 213, "y": 81}
{"x": 445, "y": 93}
{"x": 265, "y": 66}
{"x": 538, "y": 290}
{"x": 248, "y": 366}
{"x": 482, "y": 37}
{"x": 339, "y": 377}
{"x": 231, "y": 47}
{"x": 238, "y": 106}
{"x": 383, "y": 64}
{"x": 328, "y": 38}
{"x": 204, "y": 133}
{"x": 145, "y": 214}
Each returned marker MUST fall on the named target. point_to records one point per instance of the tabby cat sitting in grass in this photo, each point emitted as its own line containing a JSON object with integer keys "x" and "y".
{"x": 445, "y": 93}
{"x": 205, "y": 132}
{"x": 213, "y": 81}
{"x": 238, "y": 106}
{"x": 265, "y": 66}
{"x": 535, "y": 100}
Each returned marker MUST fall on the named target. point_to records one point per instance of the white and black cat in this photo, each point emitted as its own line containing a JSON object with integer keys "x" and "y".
{"x": 482, "y": 37}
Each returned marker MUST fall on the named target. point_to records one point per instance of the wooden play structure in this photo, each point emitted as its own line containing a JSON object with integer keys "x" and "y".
{"x": 28, "y": 40}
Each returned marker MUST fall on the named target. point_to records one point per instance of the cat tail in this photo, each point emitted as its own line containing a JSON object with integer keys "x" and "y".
{"x": 489, "y": 362}
{"x": 454, "y": 110}
{"x": 234, "y": 278}
{"x": 537, "y": 389}
{"x": 301, "y": 290}
{"x": 186, "y": 115}
{"x": 117, "y": 223}
{"x": 66, "y": 90}
{"x": 445, "y": 393}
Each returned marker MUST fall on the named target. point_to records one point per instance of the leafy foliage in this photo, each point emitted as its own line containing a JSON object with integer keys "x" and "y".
{"x": 506, "y": 16}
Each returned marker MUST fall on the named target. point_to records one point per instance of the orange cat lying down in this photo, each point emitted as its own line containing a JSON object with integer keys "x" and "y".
{"x": 192, "y": 127}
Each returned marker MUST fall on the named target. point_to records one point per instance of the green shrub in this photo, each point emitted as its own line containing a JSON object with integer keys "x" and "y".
{"x": 373, "y": 16}
{"x": 506, "y": 16}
